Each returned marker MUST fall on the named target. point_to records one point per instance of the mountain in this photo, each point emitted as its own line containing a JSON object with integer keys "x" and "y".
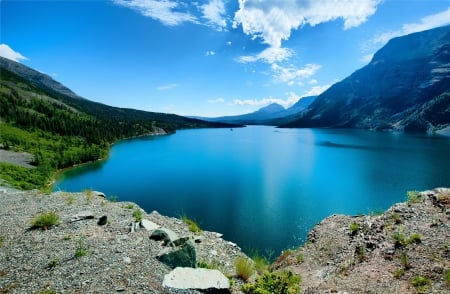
{"x": 271, "y": 114}
{"x": 59, "y": 129}
{"x": 406, "y": 86}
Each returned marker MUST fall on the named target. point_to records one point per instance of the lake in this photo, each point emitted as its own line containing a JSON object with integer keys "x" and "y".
{"x": 264, "y": 188}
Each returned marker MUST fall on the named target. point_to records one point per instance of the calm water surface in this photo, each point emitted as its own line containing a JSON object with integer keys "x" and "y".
{"x": 265, "y": 188}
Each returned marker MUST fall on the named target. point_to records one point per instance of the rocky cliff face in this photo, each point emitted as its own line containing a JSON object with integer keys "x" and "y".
{"x": 391, "y": 91}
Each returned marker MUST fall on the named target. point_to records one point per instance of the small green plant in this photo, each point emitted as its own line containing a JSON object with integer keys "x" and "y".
{"x": 399, "y": 238}
{"x": 54, "y": 262}
{"x": 46, "y": 291}
{"x": 361, "y": 253}
{"x": 396, "y": 218}
{"x": 447, "y": 277}
{"x": 421, "y": 283}
{"x": 67, "y": 237}
{"x": 244, "y": 267}
{"x": 81, "y": 249}
{"x": 277, "y": 282}
{"x": 45, "y": 220}
{"x": 404, "y": 260}
{"x": 70, "y": 199}
{"x": 89, "y": 195}
{"x": 300, "y": 258}
{"x": 413, "y": 197}
{"x": 137, "y": 214}
{"x": 261, "y": 264}
{"x": 204, "y": 264}
{"x": 398, "y": 273}
{"x": 129, "y": 206}
{"x": 354, "y": 228}
{"x": 414, "y": 238}
{"x": 193, "y": 226}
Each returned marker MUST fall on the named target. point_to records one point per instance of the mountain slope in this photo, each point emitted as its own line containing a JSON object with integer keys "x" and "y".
{"x": 271, "y": 114}
{"x": 60, "y": 129}
{"x": 402, "y": 78}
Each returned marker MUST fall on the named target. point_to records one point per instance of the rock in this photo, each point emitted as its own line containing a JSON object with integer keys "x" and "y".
{"x": 196, "y": 278}
{"x": 102, "y": 220}
{"x": 182, "y": 256}
{"x": 164, "y": 234}
{"x": 99, "y": 194}
{"x": 82, "y": 216}
{"x": 148, "y": 225}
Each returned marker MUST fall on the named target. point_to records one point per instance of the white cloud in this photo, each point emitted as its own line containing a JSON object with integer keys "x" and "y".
{"x": 210, "y": 53}
{"x": 367, "y": 58}
{"x": 291, "y": 99}
{"x": 273, "y": 21}
{"x": 229, "y": 43}
{"x": 425, "y": 23}
{"x": 291, "y": 74}
{"x": 218, "y": 100}
{"x": 316, "y": 90}
{"x": 214, "y": 12}
{"x": 269, "y": 55}
{"x": 169, "y": 12}
{"x": 166, "y": 87}
{"x": 7, "y": 52}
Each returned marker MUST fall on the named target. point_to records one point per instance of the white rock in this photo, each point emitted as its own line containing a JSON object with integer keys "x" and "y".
{"x": 126, "y": 259}
{"x": 99, "y": 194}
{"x": 196, "y": 278}
{"x": 149, "y": 225}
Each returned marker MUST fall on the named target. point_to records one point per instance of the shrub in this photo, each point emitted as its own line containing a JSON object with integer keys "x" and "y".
{"x": 413, "y": 197}
{"x": 45, "y": 220}
{"x": 279, "y": 282}
{"x": 421, "y": 283}
{"x": 398, "y": 273}
{"x": 414, "y": 238}
{"x": 300, "y": 258}
{"x": 193, "y": 226}
{"x": 81, "y": 249}
{"x": 447, "y": 277}
{"x": 244, "y": 267}
{"x": 137, "y": 214}
{"x": 354, "y": 228}
{"x": 399, "y": 239}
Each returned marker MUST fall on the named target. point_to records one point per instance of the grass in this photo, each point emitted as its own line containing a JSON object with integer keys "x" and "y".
{"x": 399, "y": 239}
{"x": 2, "y": 240}
{"x": 89, "y": 195}
{"x": 193, "y": 226}
{"x": 354, "y": 228}
{"x": 54, "y": 262}
{"x": 398, "y": 273}
{"x": 300, "y": 258}
{"x": 129, "y": 206}
{"x": 413, "y": 197}
{"x": 81, "y": 249}
{"x": 361, "y": 253}
{"x": 244, "y": 268}
{"x": 404, "y": 260}
{"x": 261, "y": 263}
{"x": 421, "y": 283}
{"x": 276, "y": 282}
{"x": 396, "y": 218}
{"x": 45, "y": 220}
{"x": 414, "y": 238}
{"x": 447, "y": 277}
{"x": 137, "y": 214}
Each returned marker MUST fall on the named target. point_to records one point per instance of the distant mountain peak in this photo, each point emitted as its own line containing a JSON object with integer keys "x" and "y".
{"x": 271, "y": 108}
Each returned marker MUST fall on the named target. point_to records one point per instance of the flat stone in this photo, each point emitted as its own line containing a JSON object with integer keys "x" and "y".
{"x": 164, "y": 234}
{"x": 196, "y": 278}
{"x": 148, "y": 225}
{"x": 99, "y": 194}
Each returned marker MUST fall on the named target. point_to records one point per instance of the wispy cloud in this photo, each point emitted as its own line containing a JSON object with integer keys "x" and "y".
{"x": 269, "y": 55}
{"x": 316, "y": 90}
{"x": 425, "y": 23}
{"x": 8, "y": 52}
{"x": 168, "y": 12}
{"x": 214, "y": 13}
{"x": 291, "y": 98}
{"x": 210, "y": 53}
{"x": 291, "y": 75}
{"x": 218, "y": 100}
{"x": 166, "y": 87}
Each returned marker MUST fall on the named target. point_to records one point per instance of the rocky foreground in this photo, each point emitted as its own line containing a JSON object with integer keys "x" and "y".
{"x": 404, "y": 250}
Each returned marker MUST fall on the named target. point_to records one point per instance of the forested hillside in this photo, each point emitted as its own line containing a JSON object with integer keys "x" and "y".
{"x": 61, "y": 130}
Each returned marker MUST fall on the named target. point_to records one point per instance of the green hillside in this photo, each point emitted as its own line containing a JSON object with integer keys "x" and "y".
{"x": 61, "y": 130}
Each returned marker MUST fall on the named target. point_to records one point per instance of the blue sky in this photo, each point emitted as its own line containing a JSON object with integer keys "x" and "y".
{"x": 205, "y": 57}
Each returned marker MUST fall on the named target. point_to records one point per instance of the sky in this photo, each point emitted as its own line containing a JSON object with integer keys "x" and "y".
{"x": 205, "y": 57}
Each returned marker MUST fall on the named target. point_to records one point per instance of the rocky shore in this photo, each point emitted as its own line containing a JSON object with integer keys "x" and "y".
{"x": 102, "y": 246}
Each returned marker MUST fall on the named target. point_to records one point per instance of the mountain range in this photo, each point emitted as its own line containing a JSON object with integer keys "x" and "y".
{"x": 406, "y": 86}
{"x": 272, "y": 114}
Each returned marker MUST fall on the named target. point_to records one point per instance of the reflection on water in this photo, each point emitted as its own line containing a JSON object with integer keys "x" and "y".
{"x": 264, "y": 188}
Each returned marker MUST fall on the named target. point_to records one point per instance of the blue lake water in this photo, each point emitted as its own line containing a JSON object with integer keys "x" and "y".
{"x": 265, "y": 188}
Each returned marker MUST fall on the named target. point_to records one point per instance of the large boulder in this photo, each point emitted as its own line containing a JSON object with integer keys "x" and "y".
{"x": 183, "y": 255}
{"x": 165, "y": 235}
{"x": 184, "y": 278}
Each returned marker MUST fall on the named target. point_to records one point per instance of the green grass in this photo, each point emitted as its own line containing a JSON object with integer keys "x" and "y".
{"x": 354, "y": 228}
{"x": 414, "y": 238}
{"x": 421, "y": 283}
{"x": 137, "y": 214}
{"x": 244, "y": 268}
{"x": 399, "y": 239}
{"x": 413, "y": 197}
{"x": 447, "y": 277}
{"x": 129, "y": 206}
{"x": 261, "y": 264}
{"x": 81, "y": 249}
{"x": 54, "y": 262}
{"x": 277, "y": 282}
{"x": 404, "y": 260}
{"x": 45, "y": 220}
{"x": 398, "y": 273}
{"x": 300, "y": 258}
{"x": 193, "y": 226}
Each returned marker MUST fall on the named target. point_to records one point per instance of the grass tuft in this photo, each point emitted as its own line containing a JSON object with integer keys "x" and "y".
{"x": 244, "y": 268}
{"x": 193, "y": 226}
{"x": 45, "y": 220}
